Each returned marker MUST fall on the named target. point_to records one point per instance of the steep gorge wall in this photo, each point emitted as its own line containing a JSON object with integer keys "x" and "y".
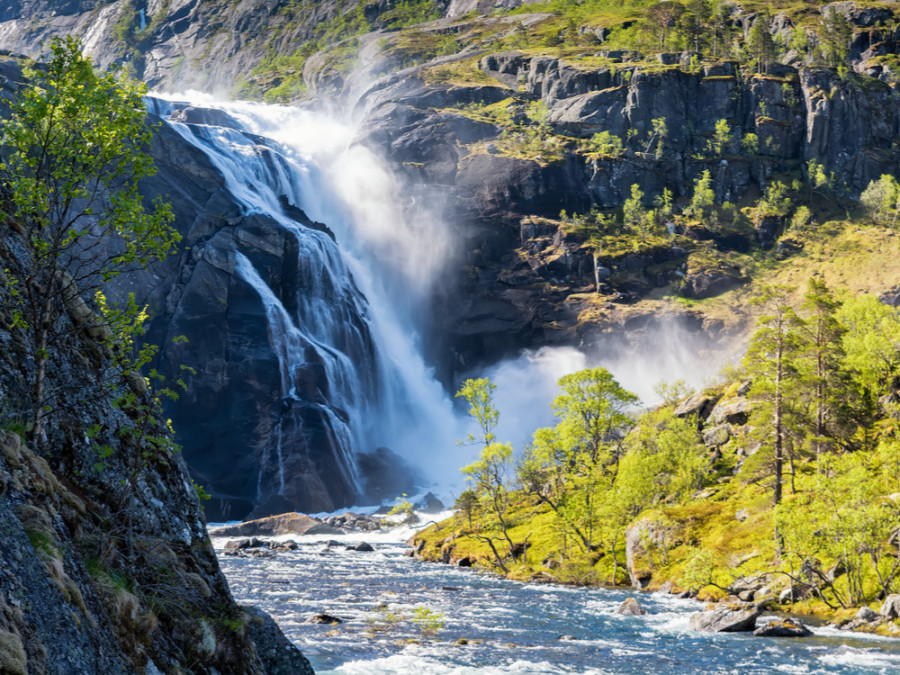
{"x": 106, "y": 566}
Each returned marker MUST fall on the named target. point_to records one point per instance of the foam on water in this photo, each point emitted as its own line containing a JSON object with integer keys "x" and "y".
{"x": 510, "y": 627}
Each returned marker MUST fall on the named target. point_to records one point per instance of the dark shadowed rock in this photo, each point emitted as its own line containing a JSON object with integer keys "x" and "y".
{"x": 868, "y": 614}
{"x": 631, "y": 607}
{"x": 278, "y": 654}
{"x": 734, "y": 411}
{"x": 698, "y": 404}
{"x": 323, "y": 618}
{"x": 385, "y": 474}
{"x": 430, "y": 504}
{"x": 784, "y": 628}
{"x": 733, "y": 618}
{"x": 363, "y": 547}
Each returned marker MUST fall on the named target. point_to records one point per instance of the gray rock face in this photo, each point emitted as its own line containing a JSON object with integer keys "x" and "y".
{"x": 74, "y": 527}
{"x": 730, "y": 619}
{"x": 278, "y": 655}
{"x": 785, "y": 628}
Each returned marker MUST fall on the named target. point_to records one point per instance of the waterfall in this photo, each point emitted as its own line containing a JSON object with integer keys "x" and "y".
{"x": 375, "y": 388}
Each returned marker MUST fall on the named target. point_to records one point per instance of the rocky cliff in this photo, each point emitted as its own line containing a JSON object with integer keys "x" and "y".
{"x": 106, "y": 563}
{"x": 483, "y": 112}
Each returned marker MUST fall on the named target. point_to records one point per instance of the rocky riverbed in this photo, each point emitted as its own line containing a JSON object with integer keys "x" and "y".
{"x": 381, "y": 611}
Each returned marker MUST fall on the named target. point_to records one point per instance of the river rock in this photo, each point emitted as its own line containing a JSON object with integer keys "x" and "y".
{"x": 363, "y": 547}
{"x": 867, "y": 614}
{"x": 286, "y": 523}
{"x": 631, "y": 607}
{"x": 783, "y": 628}
{"x": 321, "y": 617}
{"x": 733, "y": 618}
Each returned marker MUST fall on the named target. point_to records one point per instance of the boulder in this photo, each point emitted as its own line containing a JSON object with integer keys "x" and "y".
{"x": 732, "y": 618}
{"x": 891, "y": 606}
{"x": 733, "y": 411}
{"x": 631, "y": 607}
{"x": 286, "y": 523}
{"x": 698, "y": 405}
{"x": 278, "y": 655}
{"x": 709, "y": 284}
{"x": 783, "y": 628}
{"x": 363, "y": 547}
{"x": 430, "y": 504}
{"x": 716, "y": 436}
{"x": 867, "y": 614}
{"x": 322, "y": 617}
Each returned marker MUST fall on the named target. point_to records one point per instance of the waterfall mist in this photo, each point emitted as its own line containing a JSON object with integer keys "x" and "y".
{"x": 663, "y": 353}
{"x": 283, "y": 157}
{"x": 393, "y": 250}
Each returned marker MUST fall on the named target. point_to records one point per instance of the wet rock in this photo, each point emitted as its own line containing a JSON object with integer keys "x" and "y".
{"x": 430, "y": 504}
{"x": 323, "y": 618}
{"x": 631, "y": 607}
{"x": 464, "y": 562}
{"x": 363, "y": 547}
{"x": 733, "y": 618}
{"x": 784, "y": 628}
{"x": 279, "y": 656}
{"x": 287, "y": 523}
{"x": 354, "y": 521}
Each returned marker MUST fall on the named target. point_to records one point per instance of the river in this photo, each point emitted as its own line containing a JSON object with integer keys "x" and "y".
{"x": 508, "y": 627}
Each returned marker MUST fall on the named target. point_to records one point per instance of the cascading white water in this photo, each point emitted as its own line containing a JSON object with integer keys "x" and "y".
{"x": 375, "y": 372}
{"x": 395, "y": 250}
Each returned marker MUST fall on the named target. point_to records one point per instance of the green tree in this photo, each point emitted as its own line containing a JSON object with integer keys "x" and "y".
{"x": 657, "y": 136}
{"x": 881, "y": 200}
{"x": 694, "y": 23}
{"x": 835, "y": 33}
{"x": 704, "y": 197}
{"x": 823, "y": 354}
{"x": 490, "y": 472}
{"x": 771, "y": 358}
{"x": 872, "y": 333}
{"x": 634, "y": 216}
{"x": 660, "y": 18}
{"x": 721, "y": 139}
{"x": 572, "y": 466}
{"x": 760, "y": 43}
{"x": 722, "y": 30}
{"x": 73, "y": 151}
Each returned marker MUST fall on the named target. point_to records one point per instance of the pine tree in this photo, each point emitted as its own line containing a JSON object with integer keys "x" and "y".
{"x": 771, "y": 357}
{"x": 823, "y": 354}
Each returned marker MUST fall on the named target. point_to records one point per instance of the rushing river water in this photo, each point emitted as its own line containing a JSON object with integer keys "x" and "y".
{"x": 510, "y": 627}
